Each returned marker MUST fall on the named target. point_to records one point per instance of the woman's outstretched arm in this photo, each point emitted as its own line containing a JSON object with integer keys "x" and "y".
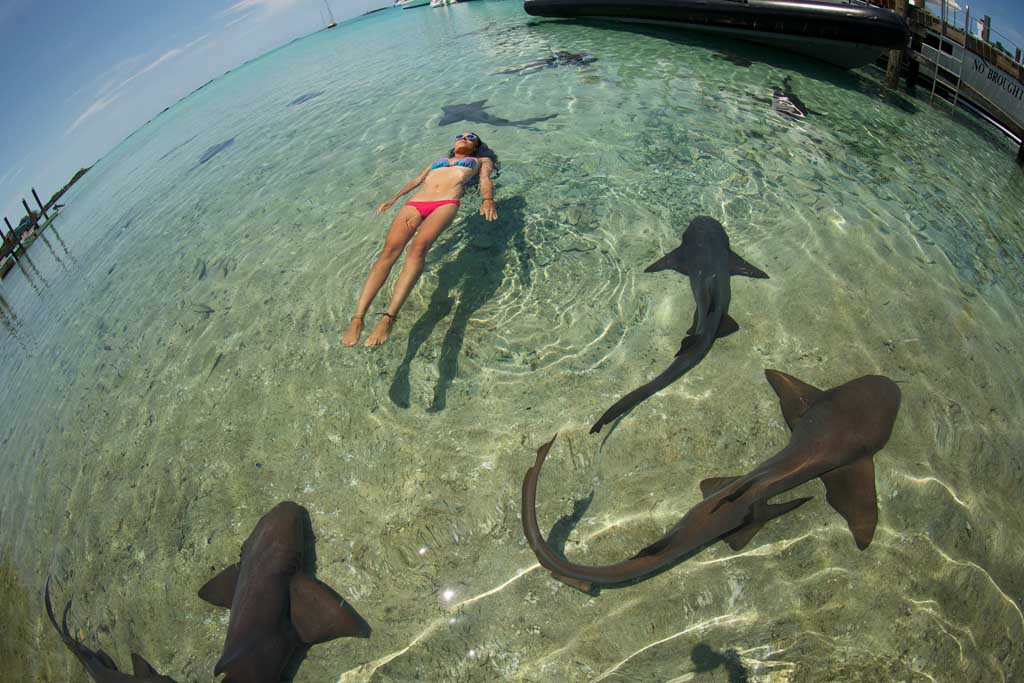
{"x": 487, "y": 209}
{"x": 411, "y": 185}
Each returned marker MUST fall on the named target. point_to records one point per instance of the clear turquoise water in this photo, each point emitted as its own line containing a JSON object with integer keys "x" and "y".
{"x": 172, "y": 367}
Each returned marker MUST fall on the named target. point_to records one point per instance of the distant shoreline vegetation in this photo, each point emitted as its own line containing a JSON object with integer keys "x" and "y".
{"x": 67, "y": 186}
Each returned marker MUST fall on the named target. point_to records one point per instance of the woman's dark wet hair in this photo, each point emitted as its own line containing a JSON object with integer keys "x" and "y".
{"x": 482, "y": 151}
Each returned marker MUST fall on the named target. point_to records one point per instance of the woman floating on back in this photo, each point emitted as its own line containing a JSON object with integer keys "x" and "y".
{"x": 422, "y": 219}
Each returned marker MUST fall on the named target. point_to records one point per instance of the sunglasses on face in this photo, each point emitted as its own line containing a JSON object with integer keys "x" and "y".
{"x": 469, "y": 137}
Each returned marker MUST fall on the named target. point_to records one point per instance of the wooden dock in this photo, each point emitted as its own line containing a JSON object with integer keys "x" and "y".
{"x": 16, "y": 241}
{"x": 960, "y": 66}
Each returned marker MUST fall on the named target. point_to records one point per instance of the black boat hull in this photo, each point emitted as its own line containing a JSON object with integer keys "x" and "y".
{"x": 845, "y": 35}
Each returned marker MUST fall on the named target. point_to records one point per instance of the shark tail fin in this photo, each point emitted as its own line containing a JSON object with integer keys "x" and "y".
{"x": 738, "y": 266}
{"x": 220, "y": 590}
{"x": 673, "y": 260}
{"x": 319, "y": 614}
{"x": 761, "y": 513}
{"x": 794, "y": 395}
{"x": 851, "y": 491}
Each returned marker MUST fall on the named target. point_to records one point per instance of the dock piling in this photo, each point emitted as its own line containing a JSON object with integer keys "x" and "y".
{"x": 42, "y": 209}
{"x": 28, "y": 212}
{"x": 13, "y": 239}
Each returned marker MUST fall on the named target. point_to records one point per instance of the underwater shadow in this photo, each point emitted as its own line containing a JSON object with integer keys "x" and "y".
{"x": 705, "y": 659}
{"x": 559, "y": 534}
{"x": 477, "y": 272}
{"x": 740, "y": 52}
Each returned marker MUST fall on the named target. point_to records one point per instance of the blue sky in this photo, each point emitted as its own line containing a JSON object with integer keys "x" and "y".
{"x": 78, "y": 76}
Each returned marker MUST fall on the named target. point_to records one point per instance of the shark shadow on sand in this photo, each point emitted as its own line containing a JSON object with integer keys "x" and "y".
{"x": 98, "y": 664}
{"x": 213, "y": 151}
{"x": 557, "y": 58}
{"x": 305, "y": 98}
{"x": 835, "y": 435}
{"x": 477, "y": 273}
{"x": 706, "y": 659}
{"x": 473, "y": 112}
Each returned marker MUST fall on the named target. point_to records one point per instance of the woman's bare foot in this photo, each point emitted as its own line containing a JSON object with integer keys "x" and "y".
{"x": 355, "y": 328}
{"x": 381, "y": 331}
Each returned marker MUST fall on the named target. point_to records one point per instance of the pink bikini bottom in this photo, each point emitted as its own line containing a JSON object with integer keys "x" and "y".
{"x": 427, "y": 208}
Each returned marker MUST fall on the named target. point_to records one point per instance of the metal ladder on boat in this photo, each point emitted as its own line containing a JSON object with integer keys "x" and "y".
{"x": 955, "y": 78}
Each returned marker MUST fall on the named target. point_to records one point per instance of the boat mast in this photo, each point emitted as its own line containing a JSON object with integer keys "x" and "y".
{"x": 331, "y": 23}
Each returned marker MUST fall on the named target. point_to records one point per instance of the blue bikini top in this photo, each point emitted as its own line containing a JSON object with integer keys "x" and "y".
{"x": 467, "y": 162}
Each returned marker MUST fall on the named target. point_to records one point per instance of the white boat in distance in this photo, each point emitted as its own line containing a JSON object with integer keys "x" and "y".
{"x": 331, "y": 23}
{"x": 409, "y": 4}
{"x": 442, "y": 3}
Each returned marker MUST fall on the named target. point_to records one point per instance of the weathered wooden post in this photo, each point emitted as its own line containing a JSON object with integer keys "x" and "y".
{"x": 14, "y": 239}
{"x": 986, "y": 28}
{"x": 29, "y": 212}
{"x": 39, "y": 232}
{"x": 1020, "y": 154}
{"x": 42, "y": 209}
{"x": 1016, "y": 57}
{"x": 892, "y": 67}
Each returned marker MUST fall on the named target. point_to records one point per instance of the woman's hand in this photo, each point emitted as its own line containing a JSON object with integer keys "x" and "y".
{"x": 487, "y": 209}
{"x": 384, "y": 207}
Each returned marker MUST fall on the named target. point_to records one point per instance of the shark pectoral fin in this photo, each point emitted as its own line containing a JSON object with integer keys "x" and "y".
{"x": 220, "y": 590}
{"x": 140, "y": 667}
{"x": 762, "y": 513}
{"x": 851, "y": 491}
{"x": 319, "y": 614}
{"x": 673, "y": 260}
{"x": 688, "y": 343}
{"x": 709, "y": 487}
{"x": 795, "y": 396}
{"x": 738, "y": 266}
{"x": 727, "y": 326}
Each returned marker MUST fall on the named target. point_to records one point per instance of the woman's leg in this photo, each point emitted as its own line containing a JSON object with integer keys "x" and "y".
{"x": 402, "y": 229}
{"x": 432, "y": 226}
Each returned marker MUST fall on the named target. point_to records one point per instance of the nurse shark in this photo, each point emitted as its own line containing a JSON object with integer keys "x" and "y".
{"x": 834, "y": 436}
{"x": 704, "y": 256}
{"x": 275, "y": 605}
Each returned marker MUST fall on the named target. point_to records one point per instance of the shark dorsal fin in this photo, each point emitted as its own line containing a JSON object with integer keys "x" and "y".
{"x": 851, "y": 491}
{"x": 727, "y": 326}
{"x": 738, "y": 266}
{"x": 140, "y": 667}
{"x": 795, "y": 396}
{"x": 710, "y": 487}
{"x": 220, "y": 590}
{"x": 319, "y": 615}
{"x": 673, "y": 260}
{"x": 761, "y": 513}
